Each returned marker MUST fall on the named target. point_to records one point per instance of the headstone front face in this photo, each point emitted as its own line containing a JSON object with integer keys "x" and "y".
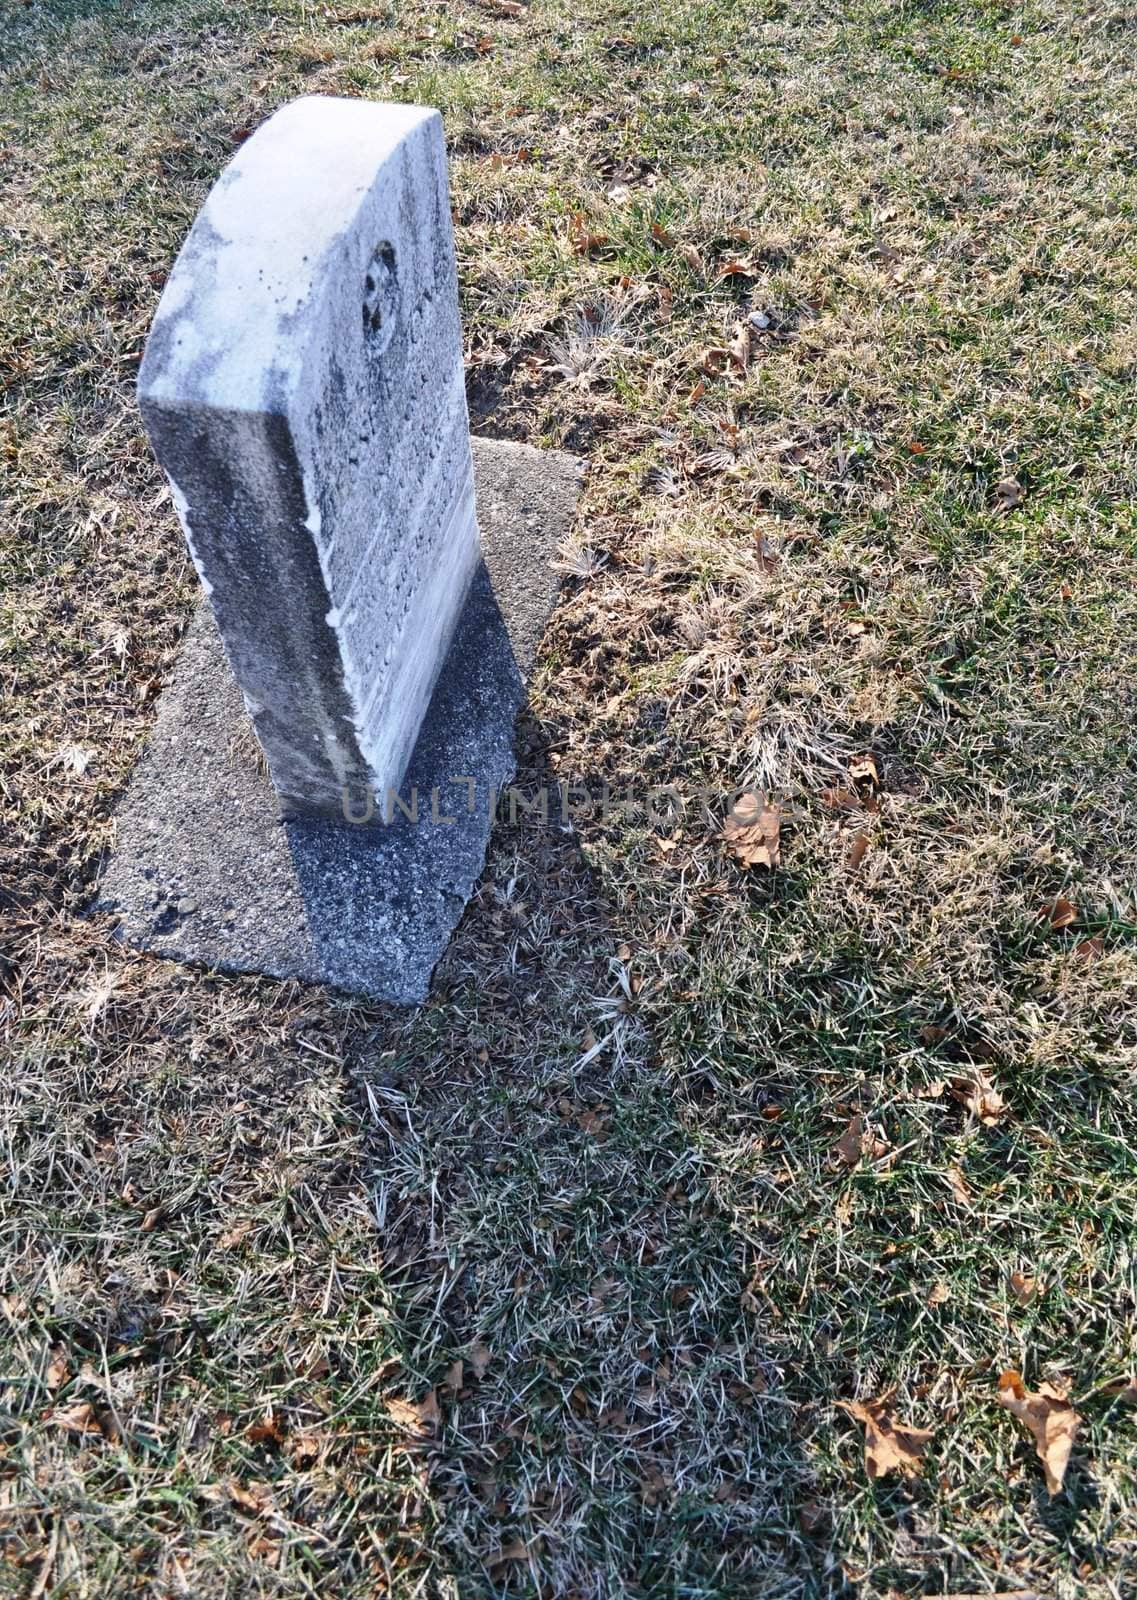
{"x": 303, "y": 389}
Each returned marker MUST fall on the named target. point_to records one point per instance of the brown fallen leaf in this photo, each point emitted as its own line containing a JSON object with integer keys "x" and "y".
{"x": 661, "y": 236}
{"x": 1059, "y": 913}
{"x": 454, "y": 1375}
{"x": 938, "y": 1295}
{"x": 1009, "y": 493}
{"x": 1124, "y": 1389}
{"x": 582, "y": 239}
{"x": 860, "y": 1140}
{"x": 739, "y": 267}
{"x": 268, "y": 1430}
{"x": 959, "y": 1185}
{"x": 254, "y": 1497}
{"x": 752, "y": 832}
{"x": 479, "y": 1357}
{"x": 303, "y": 1449}
{"x": 1024, "y": 1287}
{"x": 739, "y": 347}
{"x": 58, "y": 1370}
{"x": 1050, "y": 1417}
{"x": 981, "y": 1098}
{"x": 857, "y": 852}
{"x": 80, "y": 1418}
{"x": 840, "y": 799}
{"x": 863, "y": 771}
{"x": 889, "y": 1446}
{"x": 1090, "y": 949}
{"x": 421, "y": 1418}
{"x": 693, "y": 259}
{"x": 429, "y": 1412}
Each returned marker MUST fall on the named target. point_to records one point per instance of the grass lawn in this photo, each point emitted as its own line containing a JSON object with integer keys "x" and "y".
{"x": 556, "y": 1287}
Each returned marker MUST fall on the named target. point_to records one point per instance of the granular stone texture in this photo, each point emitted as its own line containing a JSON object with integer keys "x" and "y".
{"x": 303, "y": 389}
{"x": 204, "y": 870}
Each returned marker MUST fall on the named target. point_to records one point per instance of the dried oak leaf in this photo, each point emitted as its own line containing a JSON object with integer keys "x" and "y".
{"x": 889, "y": 1446}
{"x": 1050, "y": 1417}
{"x": 981, "y": 1098}
{"x": 752, "y": 832}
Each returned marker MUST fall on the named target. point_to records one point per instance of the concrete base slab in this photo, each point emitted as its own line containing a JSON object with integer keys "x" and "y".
{"x": 204, "y": 870}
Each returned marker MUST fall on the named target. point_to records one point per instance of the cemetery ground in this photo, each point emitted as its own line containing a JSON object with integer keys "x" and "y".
{"x": 557, "y": 1286}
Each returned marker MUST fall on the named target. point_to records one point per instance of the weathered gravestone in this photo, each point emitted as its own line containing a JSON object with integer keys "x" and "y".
{"x": 303, "y": 389}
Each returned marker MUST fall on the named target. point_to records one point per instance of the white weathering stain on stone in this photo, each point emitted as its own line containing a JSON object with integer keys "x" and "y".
{"x": 303, "y": 388}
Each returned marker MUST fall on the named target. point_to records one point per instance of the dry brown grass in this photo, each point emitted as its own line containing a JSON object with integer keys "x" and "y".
{"x": 248, "y": 1227}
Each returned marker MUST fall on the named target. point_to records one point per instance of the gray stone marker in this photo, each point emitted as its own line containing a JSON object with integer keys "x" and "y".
{"x": 303, "y": 389}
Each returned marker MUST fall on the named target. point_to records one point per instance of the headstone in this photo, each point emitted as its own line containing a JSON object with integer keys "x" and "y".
{"x": 303, "y": 389}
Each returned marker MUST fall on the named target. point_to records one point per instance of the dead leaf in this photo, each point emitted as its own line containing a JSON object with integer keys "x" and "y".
{"x": 889, "y": 1446}
{"x": 1009, "y": 493}
{"x": 959, "y": 1185}
{"x": 1059, "y": 913}
{"x": 693, "y": 259}
{"x": 1124, "y": 1389}
{"x": 981, "y": 1098}
{"x": 1090, "y": 949}
{"x": 1024, "y": 1287}
{"x": 235, "y": 1236}
{"x": 267, "y": 1431}
{"x": 58, "y": 1370}
{"x": 511, "y": 1552}
{"x": 80, "y": 1418}
{"x": 479, "y": 1357}
{"x": 454, "y": 1375}
{"x": 429, "y": 1412}
{"x": 593, "y": 1121}
{"x": 256, "y": 1498}
{"x": 840, "y": 799}
{"x": 857, "y": 853}
{"x": 661, "y": 236}
{"x": 752, "y": 832}
{"x": 1050, "y": 1417}
{"x": 939, "y": 1294}
{"x": 582, "y": 239}
{"x": 739, "y": 267}
{"x": 421, "y": 1418}
{"x": 863, "y": 771}
{"x": 739, "y": 347}
{"x": 860, "y": 1140}
{"x": 303, "y": 1449}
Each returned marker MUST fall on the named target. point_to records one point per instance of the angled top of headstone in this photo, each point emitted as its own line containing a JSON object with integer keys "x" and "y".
{"x": 303, "y": 389}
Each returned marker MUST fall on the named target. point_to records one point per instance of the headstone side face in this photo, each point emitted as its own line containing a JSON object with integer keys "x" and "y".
{"x": 303, "y": 388}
